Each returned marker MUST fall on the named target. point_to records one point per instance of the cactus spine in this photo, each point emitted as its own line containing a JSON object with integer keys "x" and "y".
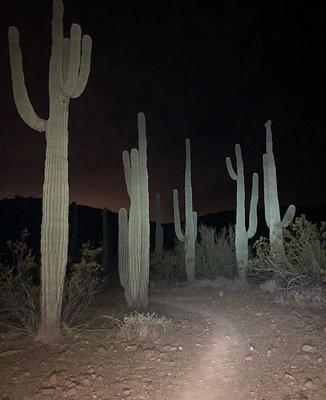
{"x": 68, "y": 74}
{"x": 159, "y": 232}
{"x": 272, "y": 207}
{"x": 134, "y": 233}
{"x": 190, "y": 235}
{"x": 241, "y": 233}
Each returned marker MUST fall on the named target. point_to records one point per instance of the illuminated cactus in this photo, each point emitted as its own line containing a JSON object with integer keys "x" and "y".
{"x": 159, "y": 232}
{"x": 272, "y": 207}
{"x": 190, "y": 235}
{"x": 123, "y": 248}
{"x": 68, "y": 74}
{"x": 241, "y": 233}
{"x": 135, "y": 269}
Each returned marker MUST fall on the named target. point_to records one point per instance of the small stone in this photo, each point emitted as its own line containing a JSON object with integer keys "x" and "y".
{"x": 249, "y": 358}
{"x": 53, "y": 379}
{"x": 101, "y": 350}
{"x": 126, "y": 392}
{"x": 131, "y": 347}
{"x": 289, "y": 376}
{"x": 71, "y": 392}
{"x": 47, "y": 390}
{"x": 170, "y": 348}
{"x": 320, "y": 359}
{"x": 308, "y": 384}
{"x": 308, "y": 348}
{"x": 85, "y": 382}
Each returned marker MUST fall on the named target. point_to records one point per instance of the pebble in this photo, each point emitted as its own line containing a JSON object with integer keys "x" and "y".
{"x": 53, "y": 379}
{"x": 308, "y": 348}
{"x": 308, "y": 384}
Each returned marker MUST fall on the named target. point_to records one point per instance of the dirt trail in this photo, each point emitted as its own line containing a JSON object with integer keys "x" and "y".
{"x": 225, "y": 345}
{"x": 215, "y": 375}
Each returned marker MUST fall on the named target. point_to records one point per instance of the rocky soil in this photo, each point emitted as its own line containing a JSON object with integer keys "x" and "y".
{"x": 226, "y": 344}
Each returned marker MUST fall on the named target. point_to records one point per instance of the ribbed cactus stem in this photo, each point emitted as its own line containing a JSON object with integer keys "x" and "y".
{"x": 159, "y": 233}
{"x": 272, "y": 207}
{"x": 241, "y": 233}
{"x": 123, "y": 247}
{"x": 136, "y": 278}
{"x": 190, "y": 235}
{"x": 68, "y": 74}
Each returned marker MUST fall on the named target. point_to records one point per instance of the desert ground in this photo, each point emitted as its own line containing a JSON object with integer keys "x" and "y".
{"x": 226, "y": 343}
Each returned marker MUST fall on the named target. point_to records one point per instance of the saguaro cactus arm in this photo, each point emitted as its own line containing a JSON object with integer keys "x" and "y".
{"x": 176, "y": 212}
{"x": 22, "y": 101}
{"x": 288, "y": 216}
{"x": 85, "y": 66}
{"x": 127, "y": 170}
{"x": 230, "y": 168}
{"x": 74, "y": 60}
{"x": 229, "y": 165}
{"x": 253, "y": 206}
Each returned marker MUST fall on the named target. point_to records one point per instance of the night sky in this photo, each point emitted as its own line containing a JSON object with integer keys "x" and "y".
{"x": 213, "y": 74}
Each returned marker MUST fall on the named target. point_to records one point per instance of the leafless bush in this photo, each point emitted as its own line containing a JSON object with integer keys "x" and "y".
{"x": 215, "y": 253}
{"x": 314, "y": 297}
{"x": 81, "y": 285}
{"x": 167, "y": 269}
{"x": 145, "y": 326}
{"x": 18, "y": 292}
{"x": 305, "y": 263}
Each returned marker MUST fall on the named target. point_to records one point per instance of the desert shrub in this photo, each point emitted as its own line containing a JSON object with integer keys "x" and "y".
{"x": 215, "y": 253}
{"x": 167, "y": 269}
{"x": 81, "y": 284}
{"x": 145, "y": 326}
{"x": 18, "y": 291}
{"x": 305, "y": 263}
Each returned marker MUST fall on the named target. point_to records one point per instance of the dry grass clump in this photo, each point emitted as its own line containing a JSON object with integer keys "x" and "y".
{"x": 145, "y": 326}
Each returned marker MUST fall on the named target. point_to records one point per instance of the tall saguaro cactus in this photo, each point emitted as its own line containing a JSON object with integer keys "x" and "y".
{"x": 159, "y": 232}
{"x": 272, "y": 207}
{"x": 68, "y": 74}
{"x": 190, "y": 235}
{"x": 241, "y": 233}
{"x": 134, "y": 233}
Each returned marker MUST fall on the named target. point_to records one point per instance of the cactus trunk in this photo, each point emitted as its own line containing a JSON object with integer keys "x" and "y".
{"x": 272, "y": 207}
{"x": 134, "y": 232}
{"x": 68, "y": 74}
{"x": 241, "y": 233}
{"x": 190, "y": 235}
